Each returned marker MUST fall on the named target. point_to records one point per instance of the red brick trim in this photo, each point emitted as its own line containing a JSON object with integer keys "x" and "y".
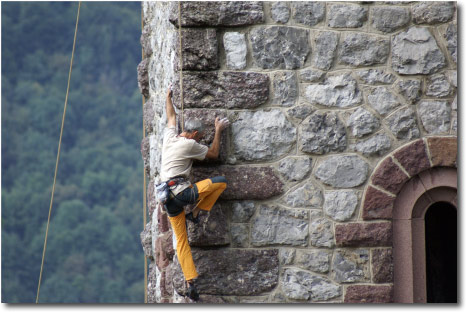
{"x": 368, "y": 294}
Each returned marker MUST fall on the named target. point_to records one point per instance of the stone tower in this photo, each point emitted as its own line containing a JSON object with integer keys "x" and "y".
{"x": 343, "y": 132}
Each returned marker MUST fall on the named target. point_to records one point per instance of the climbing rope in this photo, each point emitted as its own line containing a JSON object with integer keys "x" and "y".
{"x": 144, "y": 171}
{"x": 181, "y": 67}
{"x": 58, "y": 153}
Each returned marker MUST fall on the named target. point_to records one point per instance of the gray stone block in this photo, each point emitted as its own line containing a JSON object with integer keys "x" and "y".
{"x": 410, "y": 89}
{"x": 239, "y": 235}
{"x": 280, "y": 12}
{"x": 342, "y": 171}
{"x": 301, "y": 285}
{"x": 217, "y": 13}
{"x": 402, "y": 124}
{"x": 362, "y": 122}
{"x": 287, "y": 255}
{"x": 326, "y": 46}
{"x": 378, "y": 144}
{"x": 199, "y": 49}
{"x": 262, "y": 135}
{"x": 276, "y": 226}
{"x": 336, "y": 91}
{"x": 438, "y": 86}
{"x": 222, "y": 90}
{"x": 433, "y": 12}
{"x": 220, "y": 274}
{"x": 309, "y": 13}
{"x": 382, "y": 100}
{"x": 295, "y": 168}
{"x": 435, "y": 116}
{"x": 389, "y": 19}
{"x": 314, "y": 260}
{"x": 242, "y": 211}
{"x": 279, "y": 47}
{"x": 321, "y": 233}
{"x": 300, "y": 112}
{"x": 415, "y": 51}
{"x": 351, "y": 266}
{"x": 346, "y": 15}
{"x": 451, "y": 37}
{"x": 304, "y": 196}
{"x": 360, "y": 49}
{"x": 235, "y": 50}
{"x": 310, "y": 75}
{"x": 322, "y": 133}
{"x": 340, "y": 205}
{"x": 375, "y": 76}
{"x": 212, "y": 230}
{"x": 285, "y": 88}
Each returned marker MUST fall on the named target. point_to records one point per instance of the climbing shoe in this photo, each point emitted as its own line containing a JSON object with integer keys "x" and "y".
{"x": 190, "y": 217}
{"x": 192, "y": 292}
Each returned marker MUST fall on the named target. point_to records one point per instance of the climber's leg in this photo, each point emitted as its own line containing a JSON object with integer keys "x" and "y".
{"x": 209, "y": 191}
{"x": 183, "y": 249}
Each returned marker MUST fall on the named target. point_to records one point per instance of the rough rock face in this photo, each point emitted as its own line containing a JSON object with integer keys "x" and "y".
{"x": 410, "y": 89}
{"x": 235, "y": 49}
{"x": 219, "y": 272}
{"x": 336, "y": 91}
{"x": 326, "y": 46}
{"x": 340, "y": 205}
{"x": 199, "y": 49}
{"x": 274, "y": 225}
{"x": 295, "y": 168}
{"x": 438, "y": 86}
{"x": 285, "y": 89}
{"x": 362, "y": 122}
{"x": 375, "y": 76}
{"x": 249, "y": 141}
{"x": 322, "y": 133}
{"x": 433, "y": 12}
{"x": 435, "y": 116}
{"x": 389, "y": 19}
{"x": 309, "y": 13}
{"x": 358, "y": 49}
{"x": 375, "y": 145}
{"x": 451, "y": 37}
{"x": 305, "y": 196}
{"x": 315, "y": 260}
{"x": 219, "y": 13}
{"x": 279, "y": 47}
{"x": 351, "y": 266}
{"x": 321, "y": 233}
{"x": 382, "y": 100}
{"x": 222, "y": 90}
{"x": 342, "y": 171}
{"x": 301, "y": 285}
{"x": 280, "y": 12}
{"x": 415, "y": 51}
{"x": 346, "y": 15}
{"x": 402, "y": 124}
{"x": 212, "y": 229}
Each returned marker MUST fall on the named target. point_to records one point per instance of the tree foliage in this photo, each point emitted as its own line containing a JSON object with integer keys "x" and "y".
{"x": 93, "y": 252}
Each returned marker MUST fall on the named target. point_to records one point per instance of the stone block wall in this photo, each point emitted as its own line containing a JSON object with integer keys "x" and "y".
{"x": 319, "y": 95}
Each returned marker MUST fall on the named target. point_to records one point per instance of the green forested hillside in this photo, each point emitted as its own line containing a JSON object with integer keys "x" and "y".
{"x": 93, "y": 252}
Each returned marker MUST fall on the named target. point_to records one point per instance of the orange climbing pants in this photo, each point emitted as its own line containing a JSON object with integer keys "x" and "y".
{"x": 206, "y": 193}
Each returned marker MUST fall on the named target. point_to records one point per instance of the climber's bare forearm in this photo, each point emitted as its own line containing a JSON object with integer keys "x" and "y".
{"x": 214, "y": 148}
{"x": 171, "y": 114}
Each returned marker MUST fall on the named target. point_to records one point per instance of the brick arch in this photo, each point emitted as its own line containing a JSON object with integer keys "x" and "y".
{"x": 397, "y": 168}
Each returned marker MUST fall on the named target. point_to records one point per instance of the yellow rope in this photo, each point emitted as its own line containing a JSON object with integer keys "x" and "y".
{"x": 58, "y": 153}
{"x": 181, "y": 67}
{"x": 144, "y": 172}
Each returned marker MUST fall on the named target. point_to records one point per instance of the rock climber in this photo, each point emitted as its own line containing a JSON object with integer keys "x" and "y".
{"x": 178, "y": 153}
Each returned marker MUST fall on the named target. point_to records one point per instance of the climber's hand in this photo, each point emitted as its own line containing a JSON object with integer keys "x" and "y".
{"x": 221, "y": 124}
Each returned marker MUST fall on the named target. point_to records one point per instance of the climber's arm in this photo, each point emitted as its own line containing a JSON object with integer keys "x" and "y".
{"x": 214, "y": 149}
{"x": 171, "y": 114}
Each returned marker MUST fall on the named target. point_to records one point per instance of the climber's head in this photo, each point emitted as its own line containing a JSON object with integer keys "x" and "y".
{"x": 194, "y": 129}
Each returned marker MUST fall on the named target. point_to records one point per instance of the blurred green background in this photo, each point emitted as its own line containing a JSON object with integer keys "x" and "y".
{"x": 94, "y": 252}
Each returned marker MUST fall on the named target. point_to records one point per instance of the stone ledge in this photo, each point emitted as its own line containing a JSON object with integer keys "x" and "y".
{"x": 443, "y": 151}
{"x": 377, "y": 205}
{"x": 237, "y": 272}
{"x": 363, "y": 234}
{"x": 413, "y": 157}
{"x": 368, "y": 294}
{"x": 240, "y": 186}
{"x": 389, "y": 176}
{"x": 223, "y": 89}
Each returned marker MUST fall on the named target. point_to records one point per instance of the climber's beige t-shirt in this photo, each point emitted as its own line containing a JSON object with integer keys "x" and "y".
{"x": 177, "y": 157}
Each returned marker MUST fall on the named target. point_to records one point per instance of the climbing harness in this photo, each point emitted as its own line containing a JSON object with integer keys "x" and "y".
{"x": 58, "y": 153}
